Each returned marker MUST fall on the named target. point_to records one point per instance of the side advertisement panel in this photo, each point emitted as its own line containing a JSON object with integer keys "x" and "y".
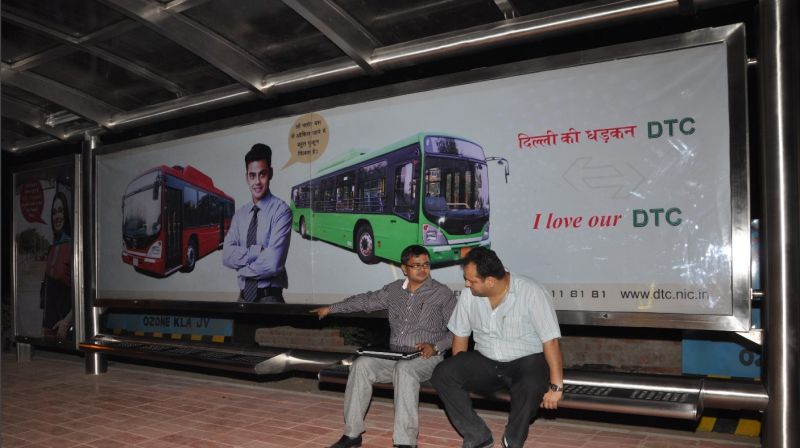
{"x": 43, "y": 227}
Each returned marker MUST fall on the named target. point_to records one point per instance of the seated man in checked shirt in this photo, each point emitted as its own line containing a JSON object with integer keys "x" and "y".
{"x": 419, "y": 308}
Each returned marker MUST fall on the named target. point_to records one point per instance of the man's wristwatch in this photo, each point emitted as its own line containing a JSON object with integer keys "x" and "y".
{"x": 556, "y": 388}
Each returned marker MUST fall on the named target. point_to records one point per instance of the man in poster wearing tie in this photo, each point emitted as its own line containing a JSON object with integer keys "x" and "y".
{"x": 258, "y": 240}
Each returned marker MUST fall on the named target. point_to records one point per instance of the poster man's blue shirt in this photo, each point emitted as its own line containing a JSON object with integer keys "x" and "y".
{"x": 265, "y": 260}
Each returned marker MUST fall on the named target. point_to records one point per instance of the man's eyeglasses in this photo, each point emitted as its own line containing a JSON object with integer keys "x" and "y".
{"x": 418, "y": 266}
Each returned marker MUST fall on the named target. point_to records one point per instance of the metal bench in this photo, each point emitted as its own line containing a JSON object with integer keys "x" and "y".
{"x": 650, "y": 395}
{"x": 637, "y": 394}
{"x": 260, "y": 361}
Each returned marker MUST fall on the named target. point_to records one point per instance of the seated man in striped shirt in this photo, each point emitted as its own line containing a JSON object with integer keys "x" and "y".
{"x": 516, "y": 334}
{"x": 418, "y": 308}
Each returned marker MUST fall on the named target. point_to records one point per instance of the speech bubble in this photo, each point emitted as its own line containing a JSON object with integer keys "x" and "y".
{"x": 308, "y": 139}
{"x": 31, "y": 200}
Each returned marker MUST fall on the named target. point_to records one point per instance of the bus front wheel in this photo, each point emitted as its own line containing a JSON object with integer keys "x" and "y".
{"x": 191, "y": 256}
{"x": 365, "y": 244}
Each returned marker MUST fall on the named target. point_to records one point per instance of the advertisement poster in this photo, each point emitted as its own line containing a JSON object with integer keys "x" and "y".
{"x": 43, "y": 222}
{"x": 608, "y": 182}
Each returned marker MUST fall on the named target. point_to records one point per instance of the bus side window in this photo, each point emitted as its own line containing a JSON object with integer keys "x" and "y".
{"x": 345, "y": 186}
{"x": 203, "y": 216}
{"x": 189, "y": 206}
{"x": 328, "y": 187}
{"x": 315, "y": 201}
{"x": 405, "y": 191}
{"x": 371, "y": 187}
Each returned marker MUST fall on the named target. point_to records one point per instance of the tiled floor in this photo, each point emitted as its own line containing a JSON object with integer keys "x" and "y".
{"x": 51, "y": 402}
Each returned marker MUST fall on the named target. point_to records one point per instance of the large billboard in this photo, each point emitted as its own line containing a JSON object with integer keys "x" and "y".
{"x": 615, "y": 177}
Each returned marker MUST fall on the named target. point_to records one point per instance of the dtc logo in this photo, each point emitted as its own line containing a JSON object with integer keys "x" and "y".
{"x": 642, "y": 217}
{"x": 656, "y": 129}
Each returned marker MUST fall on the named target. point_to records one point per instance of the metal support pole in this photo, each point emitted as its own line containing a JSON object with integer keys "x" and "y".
{"x": 780, "y": 120}
{"x": 96, "y": 363}
{"x": 24, "y": 352}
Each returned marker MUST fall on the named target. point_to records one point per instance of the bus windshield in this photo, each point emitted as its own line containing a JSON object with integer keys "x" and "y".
{"x": 141, "y": 207}
{"x": 456, "y": 188}
{"x": 453, "y": 147}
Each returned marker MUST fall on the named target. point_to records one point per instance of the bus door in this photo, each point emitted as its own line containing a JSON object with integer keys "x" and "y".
{"x": 403, "y": 229}
{"x": 172, "y": 223}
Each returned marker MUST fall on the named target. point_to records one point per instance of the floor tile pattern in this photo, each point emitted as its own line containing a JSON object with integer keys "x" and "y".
{"x": 51, "y": 402}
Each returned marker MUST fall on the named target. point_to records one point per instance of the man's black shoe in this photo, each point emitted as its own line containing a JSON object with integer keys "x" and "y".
{"x": 405, "y": 446}
{"x": 347, "y": 442}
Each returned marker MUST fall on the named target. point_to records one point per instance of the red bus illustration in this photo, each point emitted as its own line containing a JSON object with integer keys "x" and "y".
{"x": 172, "y": 217}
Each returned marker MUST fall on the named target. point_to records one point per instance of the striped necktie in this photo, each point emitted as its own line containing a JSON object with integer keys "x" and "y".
{"x": 250, "y": 284}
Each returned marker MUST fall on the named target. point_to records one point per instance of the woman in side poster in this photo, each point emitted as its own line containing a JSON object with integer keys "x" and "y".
{"x": 56, "y": 291}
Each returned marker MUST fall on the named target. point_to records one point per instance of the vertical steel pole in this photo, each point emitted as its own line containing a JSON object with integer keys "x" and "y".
{"x": 78, "y": 290}
{"x": 24, "y": 352}
{"x": 780, "y": 121}
{"x": 96, "y": 363}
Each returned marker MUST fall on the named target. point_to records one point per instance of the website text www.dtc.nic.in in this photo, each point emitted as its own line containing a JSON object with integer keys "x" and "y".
{"x": 634, "y": 294}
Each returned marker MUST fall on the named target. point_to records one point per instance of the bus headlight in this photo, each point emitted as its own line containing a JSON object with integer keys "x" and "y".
{"x": 432, "y": 236}
{"x": 155, "y": 250}
{"x": 486, "y": 231}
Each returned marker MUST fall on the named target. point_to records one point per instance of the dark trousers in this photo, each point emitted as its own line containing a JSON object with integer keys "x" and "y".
{"x": 526, "y": 378}
{"x": 265, "y": 295}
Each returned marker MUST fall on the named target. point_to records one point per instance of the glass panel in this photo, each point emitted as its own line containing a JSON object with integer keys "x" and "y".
{"x": 19, "y": 43}
{"x": 74, "y": 17}
{"x": 392, "y": 22}
{"x": 301, "y": 196}
{"x": 141, "y": 207}
{"x": 372, "y": 187}
{"x": 14, "y": 130}
{"x": 268, "y": 29}
{"x": 46, "y": 106}
{"x": 345, "y": 187}
{"x": 324, "y": 195}
{"x": 103, "y": 80}
{"x": 206, "y": 209}
{"x": 454, "y": 147}
{"x": 190, "y": 215}
{"x": 43, "y": 230}
{"x": 405, "y": 191}
{"x": 151, "y": 50}
{"x": 455, "y": 188}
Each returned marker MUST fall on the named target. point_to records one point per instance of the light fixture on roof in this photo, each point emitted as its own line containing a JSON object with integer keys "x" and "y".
{"x": 60, "y": 117}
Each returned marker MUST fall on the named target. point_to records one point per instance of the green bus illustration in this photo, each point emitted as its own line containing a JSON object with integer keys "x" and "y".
{"x": 429, "y": 189}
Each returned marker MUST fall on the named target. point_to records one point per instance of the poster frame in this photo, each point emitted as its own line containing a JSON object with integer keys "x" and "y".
{"x": 77, "y": 254}
{"x": 732, "y": 36}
